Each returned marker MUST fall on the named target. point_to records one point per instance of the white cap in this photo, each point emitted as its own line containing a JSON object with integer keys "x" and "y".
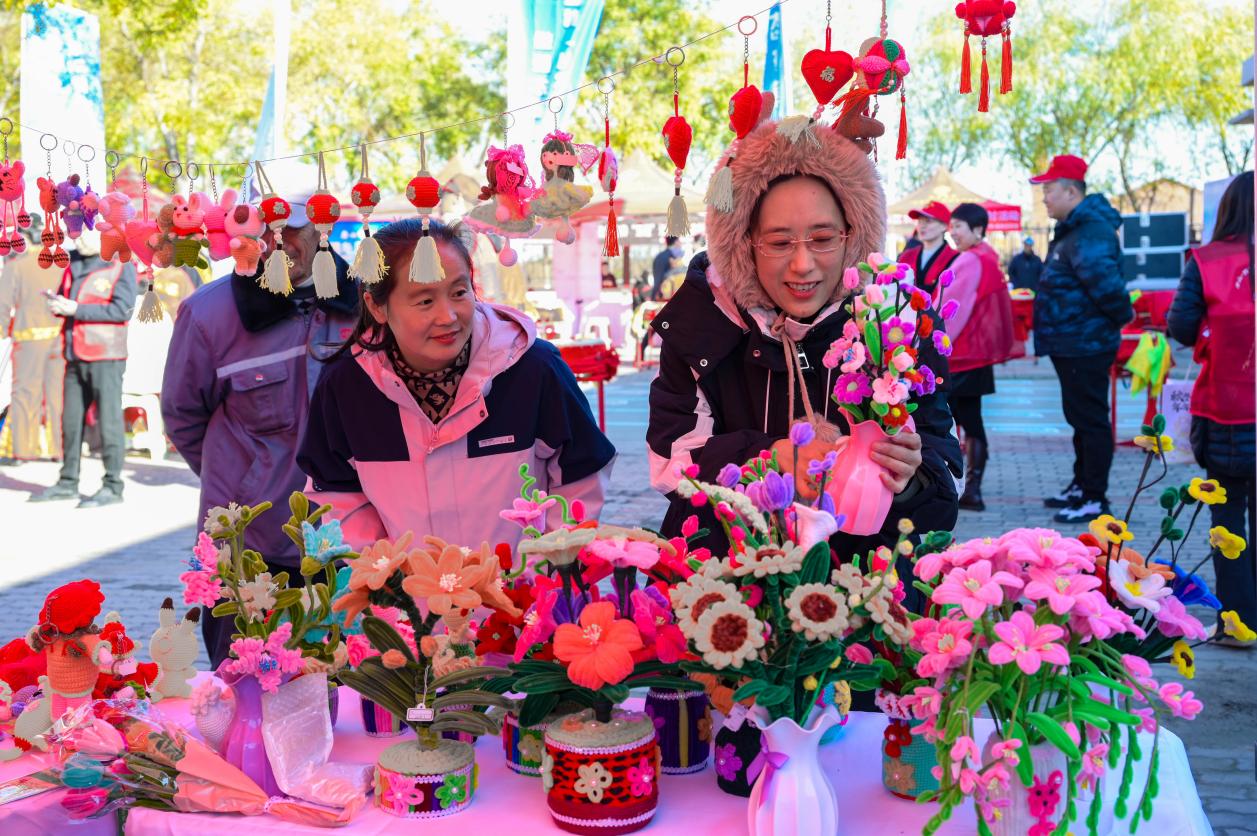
{"x": 294, "y": 180}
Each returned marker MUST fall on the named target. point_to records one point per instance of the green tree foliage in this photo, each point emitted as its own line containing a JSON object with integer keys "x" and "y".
{"x": 1092, "y": 80}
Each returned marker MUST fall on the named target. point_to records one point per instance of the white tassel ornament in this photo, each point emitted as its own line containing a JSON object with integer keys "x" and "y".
{"x": 425, "y": 264}
{"x": 678, "y": 217}
{"x": 369, "y": 266}
{"x": 720, "y": 190}
{"x": 151, "y": 309}
{"x": 795, "y": 128}
{"x": 275, "y": 276}
{"x": 324, "y": 271}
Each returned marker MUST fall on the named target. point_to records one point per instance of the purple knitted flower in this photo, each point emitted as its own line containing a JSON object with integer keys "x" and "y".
{"x": 729, "y": 476}
{"x": 852, "y": 388}
{"x": 928, "y": 382}
{"x": 727, "y": 762}
{"x": 772, "y": 493}
{"x": 801, "y": 433}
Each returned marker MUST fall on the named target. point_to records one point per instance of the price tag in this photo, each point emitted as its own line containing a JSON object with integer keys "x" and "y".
{"x": 737, "y": 716}
{"x": 420, "y": 714}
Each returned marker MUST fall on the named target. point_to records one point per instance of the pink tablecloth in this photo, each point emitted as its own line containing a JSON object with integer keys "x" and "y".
{"x": 689, "y": 804}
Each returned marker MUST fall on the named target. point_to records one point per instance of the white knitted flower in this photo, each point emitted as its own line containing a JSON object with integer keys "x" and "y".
{"x": 771, "y": 560}
{"x": 818, "y": 611}
{"x": 691, "y": 599}
{"x": 594, "y": 778}
{"x": 728, "y": 634}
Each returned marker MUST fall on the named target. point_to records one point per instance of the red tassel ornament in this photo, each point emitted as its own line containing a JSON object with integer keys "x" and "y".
{"x": 901, "y": 147}
{"x": 984, "y": 94}
{"x": 1006, "y": 62}
{"x": 966, "y": 72}
{"x": 986, "y": 19}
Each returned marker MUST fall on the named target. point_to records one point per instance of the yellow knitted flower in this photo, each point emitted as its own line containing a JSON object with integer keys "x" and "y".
{"x": 1235, "y": 628}
{"x": 1231, "y": 545}
{"x": 1184, "y": 659}
{"x": 1108, "y": 529}
{"x": 1154, "y": 443}
{"x": 1207, "y": 491}
{"x": 810, "y": 684}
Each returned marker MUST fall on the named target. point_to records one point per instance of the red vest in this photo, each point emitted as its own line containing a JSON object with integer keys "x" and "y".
{"x": 929, "y": 281}
{"x": 1224, "y": 349}
{"x": 93, "y": 341}
{"x": 987, "y": 338}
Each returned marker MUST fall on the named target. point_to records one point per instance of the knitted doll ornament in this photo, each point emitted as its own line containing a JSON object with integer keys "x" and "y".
{"x": 987, "y": 18}
{"x": 13, "y": 214}
{"x": 880, "y": 71}
{"x": 323, "y": 209}
{"x": 275, "y": 212}
{"x": 507, "y": 194}
{"x": 560, "y": 196}
{"x": 424, "y": 193}
{"x": 368, "y": 263}
{"x": 677, "y": 138}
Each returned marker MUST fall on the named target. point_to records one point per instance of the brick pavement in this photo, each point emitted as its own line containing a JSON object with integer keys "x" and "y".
{"x": 136, "y": 549}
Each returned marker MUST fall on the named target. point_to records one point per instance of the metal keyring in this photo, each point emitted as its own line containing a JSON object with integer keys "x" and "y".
{"x": 46, "y": 147}
{"x": 189, "y": 170}
{"x": 610, "y": 85}
{"x": 667, "y": 56}
{"x": 89, "y": 158}
{"x": 112, "y": 159}
{"x": 508, "y": 120}
{"x": 754, "y": 25}
{"x": 550, "y": 104}
{"x": 6, "y": 126}
{"x": 178, "y": 169}
{"x": 248, "y": 170}
{"x": 68, "y": 148}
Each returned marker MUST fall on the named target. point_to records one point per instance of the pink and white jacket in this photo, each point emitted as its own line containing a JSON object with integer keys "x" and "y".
{"x": 385, "y": 468}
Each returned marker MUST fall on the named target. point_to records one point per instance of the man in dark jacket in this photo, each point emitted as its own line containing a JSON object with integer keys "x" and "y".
{"x": 1079, "y": 312}
{"x": 95, "y": 302}
{"x": 1025, "y": 267}
{"x": 242, "y": 367}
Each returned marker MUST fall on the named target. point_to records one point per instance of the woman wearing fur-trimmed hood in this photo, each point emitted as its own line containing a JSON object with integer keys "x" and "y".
{"x": 805, "y": 204}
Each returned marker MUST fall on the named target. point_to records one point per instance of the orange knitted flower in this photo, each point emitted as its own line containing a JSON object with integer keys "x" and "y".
{"x": 600, "y": 651}
{"x": 377, "y": 563}
{"x": 446, "y": 582}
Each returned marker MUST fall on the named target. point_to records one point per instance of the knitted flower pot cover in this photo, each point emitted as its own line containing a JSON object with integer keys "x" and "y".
{"x": 683, "y": 724}
{"x": 907, "y": 759}
{"x": 377, "y": 721}
{"x": 416, "y": 783}
{"x": 601, "y": 778}
{"x": 735, "y": 750}
{"x": 523, "y": 746}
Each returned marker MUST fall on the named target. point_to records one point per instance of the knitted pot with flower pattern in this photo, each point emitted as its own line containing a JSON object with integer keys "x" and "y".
{"x": 601, "y": 778}
{"x": 417, "y": 783}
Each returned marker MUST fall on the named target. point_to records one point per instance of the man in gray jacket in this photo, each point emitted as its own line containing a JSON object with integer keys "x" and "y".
{"x": 242, "y": 366}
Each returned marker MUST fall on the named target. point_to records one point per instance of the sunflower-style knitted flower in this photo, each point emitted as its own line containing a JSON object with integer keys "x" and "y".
{"x": 1184, "y": 659}
{"x": 728, "y": 634}
{"x": 1108, "y": 529}
{"x": 1207, "y": 491}
{"x": 818, "y": 611}
{"x": 772, "y": 560}
{"x": 691, "y": 599}
{"x": 1231, "y": 545}
{"x": 1154, "y": 443}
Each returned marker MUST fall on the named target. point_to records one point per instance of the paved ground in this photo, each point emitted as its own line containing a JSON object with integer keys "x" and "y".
{"x": 135, "y": 550}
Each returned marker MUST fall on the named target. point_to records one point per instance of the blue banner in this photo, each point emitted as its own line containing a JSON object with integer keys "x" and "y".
{"x": 776, "y": 71}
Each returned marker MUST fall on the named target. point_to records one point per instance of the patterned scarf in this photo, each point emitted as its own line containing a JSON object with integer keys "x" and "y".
{"x": 433, "y": 391}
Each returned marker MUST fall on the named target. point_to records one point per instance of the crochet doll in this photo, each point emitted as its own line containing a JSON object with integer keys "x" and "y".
{"x": 115, "y": 213}
{"x": 508, "y": 193}
{"x": 245, "y": 226}
{"x": 188, "y": 227}
{"x": 560, "y": 196}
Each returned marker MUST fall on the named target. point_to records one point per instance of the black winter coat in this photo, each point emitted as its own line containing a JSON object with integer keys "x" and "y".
{"x": 1082, "y": 301}
{"x": 720, "y": 397}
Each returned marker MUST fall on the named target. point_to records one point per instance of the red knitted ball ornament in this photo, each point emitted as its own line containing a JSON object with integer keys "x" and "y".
{"x": 323, "y": 208}
{"x": 677, "y": 137}
{"x": 887, "y": 81}
{"x": 71, "y": 607}
{"x": 423, "y": 191}
{"x": 274, "y": 208}
{"x": 985, "y": 17}
{"x": 365, "y": 194}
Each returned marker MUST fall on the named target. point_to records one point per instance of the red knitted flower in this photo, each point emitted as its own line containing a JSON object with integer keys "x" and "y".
{"x": 71, "y": 607}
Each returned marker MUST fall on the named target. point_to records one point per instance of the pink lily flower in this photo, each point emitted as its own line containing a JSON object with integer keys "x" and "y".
{"x": 1181, "y": 703}
{"x": 526, "y": 513}
{"x": 1061, "y": 591}
{"x": 1029, "y": 646}
{"x": 945, "y": 648}
{"x": 974, "y": 588}
{"x": 539, "y": 624}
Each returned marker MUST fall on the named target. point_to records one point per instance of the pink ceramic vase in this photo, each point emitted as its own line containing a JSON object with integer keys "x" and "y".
{"x": 856, "y": 482}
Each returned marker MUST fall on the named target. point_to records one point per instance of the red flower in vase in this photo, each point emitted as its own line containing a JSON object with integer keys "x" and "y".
{"x": 896, "y": 736}
{"x": 496, "y": 635}
{"x": 896, "y": 416}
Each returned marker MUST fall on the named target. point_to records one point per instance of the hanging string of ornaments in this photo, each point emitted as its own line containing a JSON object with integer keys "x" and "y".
{"x": 512, "y": 205}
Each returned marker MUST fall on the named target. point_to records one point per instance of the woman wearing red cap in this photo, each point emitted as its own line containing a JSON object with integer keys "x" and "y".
{"x": 982, "y": 332}
{"x": 933, "y": 256}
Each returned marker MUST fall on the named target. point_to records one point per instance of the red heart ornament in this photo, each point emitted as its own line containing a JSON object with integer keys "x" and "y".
{"x": 826, "y": 71}
{"x": 677, "y": 136}
{"x": 744, "y": 109}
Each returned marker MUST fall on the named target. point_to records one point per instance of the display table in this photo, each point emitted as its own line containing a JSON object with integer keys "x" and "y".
{"x": 686, "y": 802}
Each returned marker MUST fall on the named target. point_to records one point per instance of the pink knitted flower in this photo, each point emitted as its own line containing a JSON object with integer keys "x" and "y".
{"x": 1027, "y": 645}
{"x": 204, "y": 588}
{"x": 852, "y": 388}
{"x": 539, "y": 624}
{"x": 974, "y": 588}
{"x": 1061, "y": 591}
{"x": 1181, "y": 703}
{"x": 526, "y": 513}
{"x": 946, "y": 646}
{"x": 622, "y": 553}
{"x": 889, "y": 390}
{"x": 641, "y": 778}
{"x": 1174, "y": 620}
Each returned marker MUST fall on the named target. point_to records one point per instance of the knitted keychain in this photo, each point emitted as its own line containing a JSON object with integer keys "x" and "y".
{"x": 608, "y": 170}
{"x": 987, "y": 18}
{"x": 275, "y": 213}
{"x": 744, "y": 110}
{"x": 424, "y": 192}
{"x": 559, "y": 195}
{"x": 368, "y": 263}
{"x": 151, "y": 307}
{"x": 13, "y": 214}
{"x": 881, "y": 68}
{"x": 677, "y": 138}
{"x": 827, "y": 70}
{"x": 323, "y": 208}
{"x": 53, "y": 235}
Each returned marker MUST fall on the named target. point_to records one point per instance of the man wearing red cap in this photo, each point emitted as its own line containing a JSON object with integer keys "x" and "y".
{"x": 1079, "y": 312}
{"x": 933, "y": 256}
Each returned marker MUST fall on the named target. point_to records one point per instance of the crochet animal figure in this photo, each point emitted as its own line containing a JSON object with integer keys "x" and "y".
{"x": 73, "y": 666}
{"x": 188, "y": 226}
{"x": 47, "y": 195}
{"x": 115, "y": 213}
{"x": 29, "y": 729}
{"x": 13, "y": 214}
{"x": 78, "y": 208}
{"x": 245, "y": 226}
{"x": 174, "y": 649}
{"x": 162, "y": 242}
{"x": 216, "y": 215}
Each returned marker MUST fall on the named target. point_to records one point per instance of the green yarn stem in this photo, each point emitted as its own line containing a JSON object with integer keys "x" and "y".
{"x": 525, "y": 491}
{"x": 1093, "y": 812}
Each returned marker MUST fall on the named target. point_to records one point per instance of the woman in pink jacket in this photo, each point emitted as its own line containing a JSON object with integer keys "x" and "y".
{"x": 982, "y": 336}
{"x": 423, "y": 421}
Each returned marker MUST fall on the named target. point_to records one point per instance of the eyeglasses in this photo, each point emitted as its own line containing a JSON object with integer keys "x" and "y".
{"x": 819, "y": 243}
